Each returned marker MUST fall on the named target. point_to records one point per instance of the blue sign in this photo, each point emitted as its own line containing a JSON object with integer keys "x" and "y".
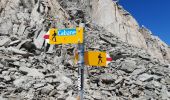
{"x": 66, "y": 32}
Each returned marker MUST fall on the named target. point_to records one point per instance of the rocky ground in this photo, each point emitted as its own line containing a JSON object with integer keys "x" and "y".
{"x": 30, "y": 69}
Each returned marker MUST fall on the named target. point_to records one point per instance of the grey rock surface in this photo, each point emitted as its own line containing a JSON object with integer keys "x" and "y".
{"x": 122, "y": 24}
{"x": 128, "y": 66}
{"x": 4, "y": 41}
{"x": 145, "y": 77}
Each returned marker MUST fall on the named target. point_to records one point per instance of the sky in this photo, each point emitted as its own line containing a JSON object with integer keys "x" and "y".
{"x": 153, "y": 14}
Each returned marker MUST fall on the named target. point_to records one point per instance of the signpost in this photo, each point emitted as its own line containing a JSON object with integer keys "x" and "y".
{"x": 81, "y": 68}
{"x": 95, "y": 58}
{"x": 91, "y": 58}
{"x": 81, "y": 71}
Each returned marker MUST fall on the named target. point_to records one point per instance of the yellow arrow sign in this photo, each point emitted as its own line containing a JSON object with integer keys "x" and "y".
{"x": 66, "y": 36}
{"x": 95, "y": 58}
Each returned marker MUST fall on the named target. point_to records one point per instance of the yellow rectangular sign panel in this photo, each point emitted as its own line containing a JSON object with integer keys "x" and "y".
{"x": 94, "y": 58}
{"x": 66, "y": 36}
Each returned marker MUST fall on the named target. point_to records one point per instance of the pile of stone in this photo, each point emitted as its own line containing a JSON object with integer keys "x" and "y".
{"x": 133, "y": 74}
{"x": 32, "y": 69}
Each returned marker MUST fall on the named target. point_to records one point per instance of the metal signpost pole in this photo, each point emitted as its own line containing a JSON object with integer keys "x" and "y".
{"x": 81, "y": 69}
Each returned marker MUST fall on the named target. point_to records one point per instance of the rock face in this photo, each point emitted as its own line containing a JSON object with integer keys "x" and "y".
{"x": 118, "y": 21}
{"x": 156, "y": 47}
{"x": 27, "y": 18}
{"x": 32, "y": 69}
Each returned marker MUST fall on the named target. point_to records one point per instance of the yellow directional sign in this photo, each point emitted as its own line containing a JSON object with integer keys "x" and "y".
{"x": 66, "y": 36}
{"x": 95, "y": 58}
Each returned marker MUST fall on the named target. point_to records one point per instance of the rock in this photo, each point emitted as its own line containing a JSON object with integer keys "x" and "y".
{"x": 38, "y": 85}
{"x": 107, "y": 93}
{"x": 12, "y": 70}
{"x": 61, "y": 97}
{"x": 97, "y": 96}
{"x": 21, "y": 29}
{"x": 31, "y": 72}
{"x": 4, "y": 41}
{"x": 164, "y": 93}
{"x": 135, "y": 92}
{"x": 124, "y": 92}
{"x": 14, "y": 42}
{"x": 16, "y": 63}
{"x": 22, "y": 82}
{"x": 160, "y": 71}
{"x": 2, "y": 86}
{"x": 1, "y": 66}
{"x": 157, "y": 84}
{"x": 71, "y": 62}
{"x": 1, "y": 98}
{"x": 9, "y": 59}
{"x": 15, "y": 28}
{"x": 168, "y": 65}
{"x": 145, "y": 57}
{"x": 24, "y": 70}
{"x": 61, "y": 67}
{"x": 150, "y": 94}
{"x": 28, "y": 65}
{"x": 51, "y": 49}
{"x": 128, "y": 66}
{"x": 50, "y": 76}
{"x": 57, "y": 60}
{"x": 149, "y": 86}
{"x": 108, "y": 78}
{"x": 47, "y": 89}
{"x": 23, "y": 42}
{"x": 29, "y": 46}
{"x": 62, "y": 78}
{"x": 35, "y": 73}
{"x": 71, "y": 98}
{"x": 14, "y": 50}
{"x": 7, "y": 78}
{"x": 5, "y": 27}
{"x": 5, "y": 72}
{"x": 142, "y": 98}
{"x": 145, "y": 77}
{"x": 66, "y": 80}
{"x": 53, "y": 92}
{"x": 62, "y": 87}
{"x": 49, "y": 80}
{"x": 167, "y": 80}
{"x": 119, "y": 80}
{"x": 138, "y": 71}
{"x": 30, "y": 94}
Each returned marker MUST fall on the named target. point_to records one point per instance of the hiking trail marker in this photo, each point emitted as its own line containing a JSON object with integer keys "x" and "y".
{"x": 91, "y": 58}
{"x": 46, "y": 37}
{"x": 95, "y": 58}
{"x": 64, "y": 36}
